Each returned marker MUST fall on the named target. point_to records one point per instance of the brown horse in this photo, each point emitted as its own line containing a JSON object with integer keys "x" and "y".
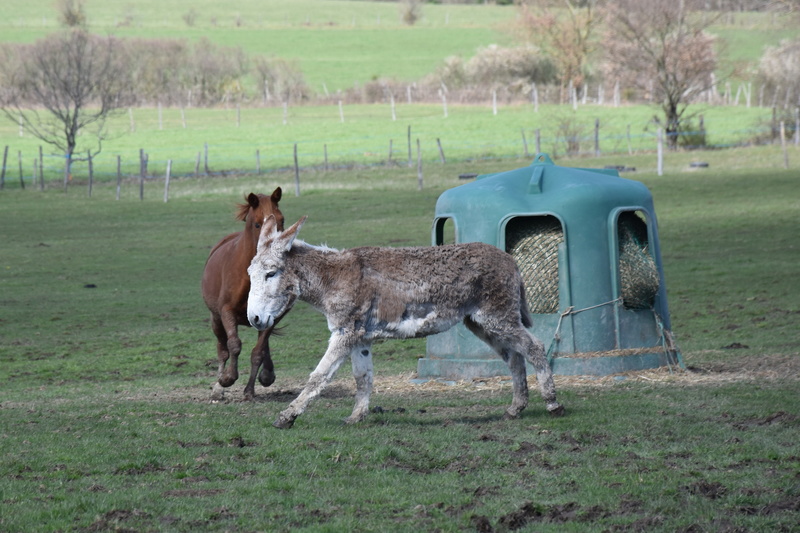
{"x": 225, "y": 287}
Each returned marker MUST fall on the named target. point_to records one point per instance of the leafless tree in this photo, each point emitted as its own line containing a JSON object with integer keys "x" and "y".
{"x": 565, "y": 31}
{"x": 662, "y": 49}
{"x": 65, "y": 85}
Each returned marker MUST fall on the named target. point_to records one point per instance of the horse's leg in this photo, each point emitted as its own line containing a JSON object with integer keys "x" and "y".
{"x": 339, "y": 347}
{"x": 361, "y": 357}
{"x": 217, "y": 391}
{"x": 230, "y": 373}
{"x": 259, "y": 355}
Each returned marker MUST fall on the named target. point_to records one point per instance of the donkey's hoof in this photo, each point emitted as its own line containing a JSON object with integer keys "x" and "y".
{"x": 557, "y": 411}
{"x": 510, "y": 416}
{"x": 217, "y": 392}
{"x": 249, "y": 396}
{"x": 283, "y": 423}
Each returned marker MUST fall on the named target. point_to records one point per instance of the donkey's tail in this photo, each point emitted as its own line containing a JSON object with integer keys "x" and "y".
{"x": 525, "y": 314}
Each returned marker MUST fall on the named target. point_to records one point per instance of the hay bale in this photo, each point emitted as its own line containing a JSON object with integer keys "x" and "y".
{"x": 533, "y": 242}
{"x": 638, "y": 273}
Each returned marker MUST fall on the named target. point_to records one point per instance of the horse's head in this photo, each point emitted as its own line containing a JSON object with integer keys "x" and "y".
{"x": 256, "y": 209}
{"x": 273, "y": 288}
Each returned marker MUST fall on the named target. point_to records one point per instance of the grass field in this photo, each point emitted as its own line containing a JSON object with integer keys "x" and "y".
{"x": 107, "y": 360}
{"x": 340, "y": 43}
{"x": 468, "y": 133}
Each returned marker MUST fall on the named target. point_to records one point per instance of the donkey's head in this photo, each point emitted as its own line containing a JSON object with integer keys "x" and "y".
{"x": 273, "y": 289}
{"x": 256, "y": 209}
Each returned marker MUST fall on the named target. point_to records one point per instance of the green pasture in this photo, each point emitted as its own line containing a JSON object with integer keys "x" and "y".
{"x": 468, "y": 133}
{"x": 339, "y": 43}
{"x": 107, "y": 360}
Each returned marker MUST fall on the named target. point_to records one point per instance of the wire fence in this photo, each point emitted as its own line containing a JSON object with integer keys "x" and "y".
{"x": 570, "y": 138}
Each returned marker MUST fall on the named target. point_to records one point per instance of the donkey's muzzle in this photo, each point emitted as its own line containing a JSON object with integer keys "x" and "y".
{"x": 261, "y": 323}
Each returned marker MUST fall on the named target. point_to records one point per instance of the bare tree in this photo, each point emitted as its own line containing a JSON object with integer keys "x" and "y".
{"x": 662, "y": 49}
{"x": 566, "y": 34}
{"x": 64, "y": 85}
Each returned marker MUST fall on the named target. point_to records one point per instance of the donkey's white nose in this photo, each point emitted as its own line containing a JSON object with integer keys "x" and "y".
{"x": 261, "y": 323}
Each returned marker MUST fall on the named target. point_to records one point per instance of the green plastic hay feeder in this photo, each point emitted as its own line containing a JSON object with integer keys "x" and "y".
{"x": 586, "y": 243}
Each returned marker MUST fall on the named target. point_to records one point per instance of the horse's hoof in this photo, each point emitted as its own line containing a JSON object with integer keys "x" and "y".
{"x": 558, "y": 411}
{"x": 283, "y": 423}
{"x": 510, "y": 416}
{"x": 227, "y": 381}
{"x": 249, "y": 396}
{"x": 266, "y": 378}
{"x": 217, "y": 393}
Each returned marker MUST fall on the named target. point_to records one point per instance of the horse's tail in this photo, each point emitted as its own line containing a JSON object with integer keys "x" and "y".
{"x": 525, "y": 314}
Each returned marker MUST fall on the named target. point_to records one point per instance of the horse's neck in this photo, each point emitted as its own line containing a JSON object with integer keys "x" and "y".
{"x": 246, "y": 245}
{"x": 312, "y": 266}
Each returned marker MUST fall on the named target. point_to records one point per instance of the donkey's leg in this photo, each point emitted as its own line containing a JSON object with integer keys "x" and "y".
{"x": 506, "y": 348}
{"x": 339, "y": 347}
{"x": 260, "y": 355}
{"x": 537, "y": 357}
{"x": 217, "y": 391}
{"x": 361, "y": 357}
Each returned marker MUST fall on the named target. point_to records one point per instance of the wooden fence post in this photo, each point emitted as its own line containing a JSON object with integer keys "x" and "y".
{"x": 325, "y": 152}
{"x": 538, "y": 141}
{"x": 41, "y": 169}
{"x": 197, "y": 166}
{"x": 390, "y": 151}
{"x": 21, "y": 179}
{"x": 3, "y": 171}
{"x": 394, "y": 115}
{"x": 524, "y": 143}
{"x": 441, "y": 152}
{"x": 597, "y": 137}
{"x": 783, "y": 146}
{"x": 660, "y": 163}
{"x": 205, "y": 147}
{"x": 419, "y": 166}
{"x": 630, "y": 148}
{"x": 141, "y": 173}
{"x": 494, "y": 102}
{"x": 119, "y": 175}
{"x": 296, "y": 173}
{"x": 166, "y": 180}
{"x": 258, "y": 161}
{"x": 409, "y": 147}
{"x": 91, "y": 171}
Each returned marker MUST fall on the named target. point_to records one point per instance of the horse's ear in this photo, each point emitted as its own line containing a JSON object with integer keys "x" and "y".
{"x": 288, "y": 236}
{"x": 276, "y": 195}
{"x": 252, "y": 199}
{"x": 269, "y": 230}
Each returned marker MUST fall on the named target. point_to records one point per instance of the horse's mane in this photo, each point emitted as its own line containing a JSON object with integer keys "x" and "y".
{"x": 242, "y": 210}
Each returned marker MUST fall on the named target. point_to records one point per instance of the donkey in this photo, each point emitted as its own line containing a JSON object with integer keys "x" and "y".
{"x": 225, "y": 286}
{"x": 374, "y": 293}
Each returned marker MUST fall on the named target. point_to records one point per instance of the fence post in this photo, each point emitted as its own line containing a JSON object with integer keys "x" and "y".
{"x": 783, "y": 146}
{"x": 258, "y": 161}
{"x": 91, "y": 171}
{"x": 3, "y": 171}
{"x": 197, "y": 166}
{"x": 494, "y": 102}
{"x": 441, "y": 152}
{"x": 394, "y": 115}
{"x": 325, "y": 152}
{"x": 597, "y": 137}
{"x": 41, "y": 169}
{"x": 390, "y": 151}
{"x": 630, "y": 148}
{"x": 409, "y": 147}
{"x": 538, "y": 141}
{"x": 119, "y": 174}
{"x": 205, "y": 147}
{"x": 660, "y": 163}
{"x": 21, "y": 179}
{"x": 141, "y": 173}
{"x": 419, "y": 166}
{"x": 524, "y": 143}
{"x": 166, "y": 181}
{"x": 296, "y": 173}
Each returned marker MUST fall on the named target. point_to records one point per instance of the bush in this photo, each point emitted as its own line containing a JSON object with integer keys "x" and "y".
{"x": 779, "y": 71}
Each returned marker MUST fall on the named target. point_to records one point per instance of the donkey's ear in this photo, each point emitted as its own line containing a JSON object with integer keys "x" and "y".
{"x": 269, "y": 230}
{"x": 288, "y": 236}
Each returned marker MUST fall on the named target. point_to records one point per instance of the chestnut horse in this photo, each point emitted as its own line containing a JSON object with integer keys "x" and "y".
{"x": 225, "y": 287}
